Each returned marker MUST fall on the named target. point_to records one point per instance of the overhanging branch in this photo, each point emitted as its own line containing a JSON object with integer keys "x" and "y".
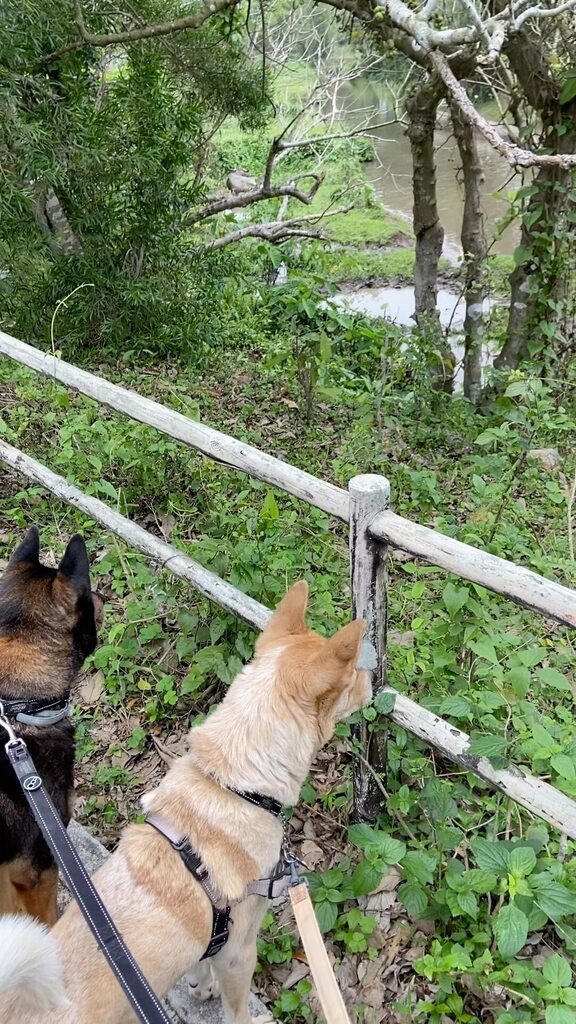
{"x": 191, "y": 21}
{"x": 515, "y": 156}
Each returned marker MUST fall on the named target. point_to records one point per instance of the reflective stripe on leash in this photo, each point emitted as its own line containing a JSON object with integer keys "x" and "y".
{"x": 142, "y": 998}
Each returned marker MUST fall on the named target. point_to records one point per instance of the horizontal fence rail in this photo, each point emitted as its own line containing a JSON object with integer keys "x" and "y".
{"x": 164, "y": 555}
{"x": 223, "y": 449}
{"x": 522, "y": 585}
{"x": 535, "y": 795}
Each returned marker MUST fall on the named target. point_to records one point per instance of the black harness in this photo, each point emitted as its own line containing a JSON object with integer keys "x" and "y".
{"x": 193, "y": 862}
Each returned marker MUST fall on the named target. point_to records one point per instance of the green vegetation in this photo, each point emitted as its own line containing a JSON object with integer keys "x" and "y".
{"x": 455, "y": 906}
{"x": 474, "y": 878}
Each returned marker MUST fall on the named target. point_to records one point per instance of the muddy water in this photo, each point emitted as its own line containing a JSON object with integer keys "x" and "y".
{"x": 391, "y": 171}
{"x": 397, "y": 304}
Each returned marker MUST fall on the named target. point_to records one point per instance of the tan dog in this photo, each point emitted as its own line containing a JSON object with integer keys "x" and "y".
{"x": 262, "y": 738}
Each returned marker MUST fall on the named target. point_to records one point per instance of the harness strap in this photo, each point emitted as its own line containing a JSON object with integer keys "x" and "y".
{"x": 143, "y": 1000}
{"x": 193, "y": 862}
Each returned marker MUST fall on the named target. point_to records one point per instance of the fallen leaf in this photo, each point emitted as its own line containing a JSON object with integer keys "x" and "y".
{"x": 92, "y": 687}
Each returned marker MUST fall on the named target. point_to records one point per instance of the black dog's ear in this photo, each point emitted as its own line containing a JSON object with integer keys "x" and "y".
{"x": 75, "y": 565}
{"x": 28, "y": 549}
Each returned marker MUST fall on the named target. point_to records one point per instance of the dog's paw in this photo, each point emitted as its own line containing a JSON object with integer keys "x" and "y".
{"x": 203, "y": 982}
{"x": 264, "y": 1018}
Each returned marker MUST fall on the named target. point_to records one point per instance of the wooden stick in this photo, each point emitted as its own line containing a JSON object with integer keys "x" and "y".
{"x": 326, "y": 985}
{"x": 226, "y": 450}
{"x": 513, "y": 581}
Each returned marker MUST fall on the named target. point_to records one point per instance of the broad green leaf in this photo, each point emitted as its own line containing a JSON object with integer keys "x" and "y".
{"x": 564, "y": 765}
{"x": 560, "y": 1015}
{"x": 384, "y": 702}
{"x": 419, "y": 866}
{"x": 391, "y": 850}
{"x": 365, "y": 878}
{"x": 519, "y": 679}
{"x": 487, "y": 746}
{"x": 491, "y": 856}
{"x": 552, "y": 677}
{"x": 510, "y": 929}
{"x": 568, "y": 91}
{"x": 522, "y": 861}
{"x": 537, "y": 835}
{"x": 377, "y": 842}
{"x": 516, "y": 388}
{"x": 269, "y": 511}
{"x": 456, "y": 707}
{"x": 454, "y": 598}
{"x": 326, "y": 914}
{"x": 480, "y": 880}
{"x": 552, "y": 897}
{"x": 484, "y": 648}
{"x": 468, "y": 903}
{"x": 437, "y": 800}
{"x": 361, "y": 835}
{"x": 413, "y": 897}
{"x": 543, "y": 738}
{"x": 531, "y": 656}
{"x": 557, "y": 971}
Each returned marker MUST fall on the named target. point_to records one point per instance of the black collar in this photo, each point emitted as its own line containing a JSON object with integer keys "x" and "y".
{"x": 267, "y": 803}
{"x": 14, "y": 706}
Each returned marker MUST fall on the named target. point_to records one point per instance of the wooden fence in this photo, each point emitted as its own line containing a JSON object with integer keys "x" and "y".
{"x": 373, "y": 527}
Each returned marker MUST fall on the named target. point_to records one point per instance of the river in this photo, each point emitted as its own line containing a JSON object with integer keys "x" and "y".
{"x": 391, "y": 171}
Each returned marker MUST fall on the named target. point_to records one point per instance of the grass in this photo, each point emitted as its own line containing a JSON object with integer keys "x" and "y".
{"x": 166, "y": 656}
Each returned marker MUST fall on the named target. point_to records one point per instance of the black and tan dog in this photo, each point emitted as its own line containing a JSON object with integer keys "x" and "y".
{"x": 48, "y": 621}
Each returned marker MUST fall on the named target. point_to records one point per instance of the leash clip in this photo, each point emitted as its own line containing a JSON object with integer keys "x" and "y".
{"x": 295, "y": 877}
{"x": 13, "y": 739}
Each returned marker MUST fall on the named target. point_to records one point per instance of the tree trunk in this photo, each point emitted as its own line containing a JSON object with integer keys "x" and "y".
{"x": 549, "y": 211}
{"x": 542, "y": 285}
{"x": 422, "y": 107}
{"x": 475, "y": 252}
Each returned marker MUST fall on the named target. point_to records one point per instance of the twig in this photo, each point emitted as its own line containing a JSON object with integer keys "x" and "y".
{"x": 571, "y": 498}
{"x": 62, "y": 302}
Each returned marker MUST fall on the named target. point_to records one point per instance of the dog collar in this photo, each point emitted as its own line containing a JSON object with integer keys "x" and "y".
{"x": 36, "y": 712}
{"x": 267, "y": 803}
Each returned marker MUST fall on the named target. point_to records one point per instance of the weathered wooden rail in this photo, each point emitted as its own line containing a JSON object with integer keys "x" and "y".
{"x": 373, "y": 527}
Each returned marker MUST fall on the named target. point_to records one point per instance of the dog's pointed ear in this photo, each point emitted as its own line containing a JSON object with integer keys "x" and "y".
{"x": 289, "y": 617}
{"x": 75, "y": 565}
{"x": 28, "y": 549}
{"x": 346, "y": 643}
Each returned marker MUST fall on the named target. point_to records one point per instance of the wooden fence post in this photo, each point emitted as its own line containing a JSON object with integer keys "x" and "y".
{"x": 369, "y": 495}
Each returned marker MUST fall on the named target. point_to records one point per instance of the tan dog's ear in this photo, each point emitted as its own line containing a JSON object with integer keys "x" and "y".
{"x": 289, "y": 617}
{"x": 346, "y": 643}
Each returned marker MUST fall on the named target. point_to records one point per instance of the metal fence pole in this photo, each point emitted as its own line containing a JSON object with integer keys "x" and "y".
{"x": 369, "y": 495}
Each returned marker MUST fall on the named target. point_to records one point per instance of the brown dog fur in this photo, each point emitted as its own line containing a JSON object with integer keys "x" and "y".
{"x": 263, "y": 737}
{"x": 48, "y": 620}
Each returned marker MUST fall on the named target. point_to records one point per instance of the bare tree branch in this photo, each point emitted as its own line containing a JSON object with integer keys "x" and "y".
{"x": 542, "y": 12}
{"x": 515, "y": 156}
{"x": 278, "y": 230}
{"x": 222, "y": 204}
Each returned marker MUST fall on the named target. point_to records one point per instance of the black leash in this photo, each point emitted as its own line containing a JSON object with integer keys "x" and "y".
{"x": 143, "y": 1000}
